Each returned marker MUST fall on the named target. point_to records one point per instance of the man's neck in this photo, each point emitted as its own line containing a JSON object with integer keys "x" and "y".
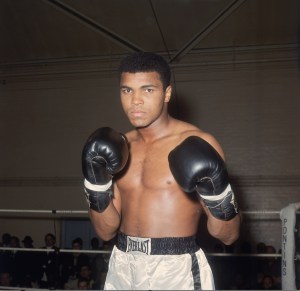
{"x": 155, "y": 131}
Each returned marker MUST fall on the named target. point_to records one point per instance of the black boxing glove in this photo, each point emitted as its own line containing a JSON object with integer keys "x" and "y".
{"x": 104, "y": 154}
{"x": 197, "y": 166}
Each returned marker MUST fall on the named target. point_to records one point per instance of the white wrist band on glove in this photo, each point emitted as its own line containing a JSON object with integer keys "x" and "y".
{"x": 217, "y": 197}
{"x": 97, "y": 188}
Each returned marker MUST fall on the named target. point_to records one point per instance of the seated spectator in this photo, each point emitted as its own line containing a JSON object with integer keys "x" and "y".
{"x": 83, "y": 284}
{"x": 83, "y": 274}
{"x": 218, "y": 248}
{"x": 49, "y": 262}
{"x": 269, "y": 266}
{"x": 272, "y": 266}
{"x": 268, "y": 283}
{"x": 71, "y": 262}
{"x": 3, "y": 254}
{"x": 11, "y": 261}
{"x": 261, "y": 248}
{"x": 5, "y": 279}
{"x": 239, "y": 282}
{"x": 257, "y": 265}
{"x": 95, "y": 246}
{"x": 99, "y": 266}
{"x": 28, "y": 267}
{"x": 6, "y": 239}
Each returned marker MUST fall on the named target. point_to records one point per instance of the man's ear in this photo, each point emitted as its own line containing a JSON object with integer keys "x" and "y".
{"x": 168, "y": 93}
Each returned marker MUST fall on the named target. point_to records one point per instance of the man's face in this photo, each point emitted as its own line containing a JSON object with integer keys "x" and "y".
{"x": 50, "y": 242}
{"x": 143, "y": 97}
{"x": 85, "y": 272}
{"x": 83, "y": 286}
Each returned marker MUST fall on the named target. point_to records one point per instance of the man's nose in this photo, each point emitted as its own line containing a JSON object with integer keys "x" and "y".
{"x": 137, "y": 99}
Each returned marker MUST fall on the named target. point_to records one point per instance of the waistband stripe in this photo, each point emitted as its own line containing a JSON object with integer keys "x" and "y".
{"x": 157, "y": 246}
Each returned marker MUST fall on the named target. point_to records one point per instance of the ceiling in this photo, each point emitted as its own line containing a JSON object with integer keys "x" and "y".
{"x": 34, "y": 30}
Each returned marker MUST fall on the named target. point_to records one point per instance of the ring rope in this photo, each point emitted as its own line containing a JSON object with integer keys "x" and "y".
{"x": 54, "y": 211}
{"x": 297, "y": 257}
{"x": 53, "y": 250}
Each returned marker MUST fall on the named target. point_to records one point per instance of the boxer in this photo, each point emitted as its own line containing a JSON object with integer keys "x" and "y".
{"x": 140, "y": 187}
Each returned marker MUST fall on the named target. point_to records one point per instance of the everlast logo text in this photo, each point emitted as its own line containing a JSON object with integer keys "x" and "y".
{"x": 138, "y": 245}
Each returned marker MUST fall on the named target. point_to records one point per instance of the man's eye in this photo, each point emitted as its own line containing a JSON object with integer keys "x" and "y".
{"x": 149, "y": 90}
{"x": 126, "y": 90}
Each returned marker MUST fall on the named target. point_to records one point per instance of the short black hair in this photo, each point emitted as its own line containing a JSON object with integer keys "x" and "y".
{"x": 146, "y": 62}
{"x": 77, "y": 240}
{"x": 51, "y": 235}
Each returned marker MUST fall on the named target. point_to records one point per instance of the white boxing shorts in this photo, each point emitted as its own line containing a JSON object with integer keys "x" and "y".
{"x": 158, "y": 264}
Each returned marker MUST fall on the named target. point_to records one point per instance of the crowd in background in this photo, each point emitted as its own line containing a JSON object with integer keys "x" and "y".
{"x": 79, "y": 270}
{"x": 242, "y": 271}
{"x": 53, "y": 269}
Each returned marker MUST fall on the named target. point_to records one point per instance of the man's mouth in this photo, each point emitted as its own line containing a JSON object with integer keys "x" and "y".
{"x": 137, "y": 113}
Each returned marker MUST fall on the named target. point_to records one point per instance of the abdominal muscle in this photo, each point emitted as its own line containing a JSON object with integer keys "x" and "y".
{"x": 158, "y": 212}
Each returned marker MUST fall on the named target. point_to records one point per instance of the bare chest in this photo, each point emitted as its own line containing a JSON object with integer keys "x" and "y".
{"x": 148, "y": 168}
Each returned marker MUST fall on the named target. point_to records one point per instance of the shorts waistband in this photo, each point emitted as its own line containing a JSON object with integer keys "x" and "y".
{"x": 157, "y": 246}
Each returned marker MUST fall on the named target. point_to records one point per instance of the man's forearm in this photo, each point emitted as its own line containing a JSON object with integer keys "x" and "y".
{"x": 225, "y": 231}
{"x": 106, "y": 224}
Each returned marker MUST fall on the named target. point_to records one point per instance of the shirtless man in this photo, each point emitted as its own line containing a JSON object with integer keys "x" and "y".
{"x": 141, "y": 187}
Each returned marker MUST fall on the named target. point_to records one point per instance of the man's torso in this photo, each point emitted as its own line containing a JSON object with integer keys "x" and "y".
{"x": 153, "y": 205}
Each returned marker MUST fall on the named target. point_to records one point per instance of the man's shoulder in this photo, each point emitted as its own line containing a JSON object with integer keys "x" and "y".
{"x": 199, "y": 133}
{"x": 185, "y": 130}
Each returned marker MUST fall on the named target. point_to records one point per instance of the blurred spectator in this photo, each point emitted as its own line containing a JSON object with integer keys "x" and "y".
{"x": 273, "y": 266}
{"x": 83, "y": 284}
{"x": 49, "y": 262}
{"x": 269, "y": 266}
{"x": 268, "y": 283}
{"x": 71, "y": 262}
{"x": 5, "y": 279}
{"x": 28, "y": 267}
{"x": 6, "y": 239}
{"x": 218, "y": 248}
{"x": 83, "y": 274}
{"x": 240, "y": 282}
{"x": 11, "y": 260}
{"x": 3, "y": 254}
{"x": 99, "y": 265}
{"x": 95, "y": 246}
{"x": 261, "y": 248}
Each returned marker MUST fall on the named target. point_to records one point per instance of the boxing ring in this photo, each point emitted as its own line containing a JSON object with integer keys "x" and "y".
{"x": 288, "y": 254}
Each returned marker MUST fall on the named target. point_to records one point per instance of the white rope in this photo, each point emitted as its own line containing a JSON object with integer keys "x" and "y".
{"x": 108, "y": 252}
{"x": 21, "y": 288}
{"x": 53, "y": 250}
{"x": 32, "y": 211}
{"x": 263, "y": 212}
{"x": 53, "y": 211}
{"x": 243, "y": 255}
